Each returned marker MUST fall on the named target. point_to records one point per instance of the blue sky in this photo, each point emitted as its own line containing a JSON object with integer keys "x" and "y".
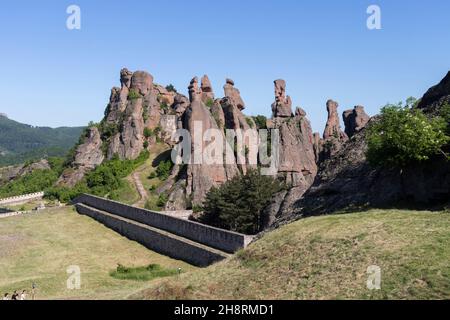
{"x": 323, "y": 49}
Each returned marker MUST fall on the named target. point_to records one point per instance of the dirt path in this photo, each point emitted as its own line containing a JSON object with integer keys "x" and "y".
{"x": 140, "y": 188}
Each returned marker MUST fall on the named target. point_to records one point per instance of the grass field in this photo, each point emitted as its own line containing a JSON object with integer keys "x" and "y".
{"x": 327, "y": 258}
{"x": 316, "y": 258}
{"x": 40, "y": 247}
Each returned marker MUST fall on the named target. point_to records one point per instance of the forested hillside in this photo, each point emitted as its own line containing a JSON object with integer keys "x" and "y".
{"x": 20, "y": 142}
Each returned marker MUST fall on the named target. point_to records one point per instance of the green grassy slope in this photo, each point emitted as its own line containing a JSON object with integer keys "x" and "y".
{"x": 39, "y": 248}
{"x": 20, "y": 142}
{"x": 327, "y": 258}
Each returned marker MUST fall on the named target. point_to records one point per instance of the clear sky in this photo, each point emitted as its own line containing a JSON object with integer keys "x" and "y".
{"x": 323, "y": 49}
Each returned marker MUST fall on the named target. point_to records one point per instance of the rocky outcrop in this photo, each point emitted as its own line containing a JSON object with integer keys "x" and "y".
{"x": 436, "y": 96}
{"x": 355, "y": 120}
{"x": 13, "y": 172}
{"x": 333, "y": 136}
{"x": 218, "y": 114}
{"x": 201, "y": 177}
{"x": 142, "y": 82}
{"x": 317, "y": 146}
{"x": 233, "y": 94}
{"x": 207, "y": 94}
{"x": 88, "y": 155}
{"x": 347, "y": 182}
{"x": 333, "y": 127}
{"x": 282, "y": 107}
{"x": 297, "y": 153}
{"x": 129, "y": 142}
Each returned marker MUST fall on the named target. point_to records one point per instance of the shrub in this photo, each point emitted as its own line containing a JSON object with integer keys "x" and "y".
{"x": 237, "y": 204}
{"x": 145, "y": 144}
{"x": 164, "y": 106}
{"x": 152, "y": 175}
{"x": 445, "y": 114}
{"x": 171, "y": 88}
{"x": 36, "y": 181}
{"x": 163, "y": 170}
{"x": 133, "y": 94}
{"x": 162, "y": 200}
{"x": 209, "y": 103}
{"x": 261, "y": 122}
{"x": 197, "y": 208}
{"x": 250, "y": 122}
{"x": 103, "y": 180}
{"x": 403, "y": 136}
{"x": 148, "y": 132}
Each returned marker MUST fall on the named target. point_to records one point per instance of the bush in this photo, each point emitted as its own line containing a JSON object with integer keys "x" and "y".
{"x": 261, "y": 122}
{"x": 445, "y": 114}
{"x": 133, "y": 94}
{"x": 403, "y": 136}
{"x": 250, "y": 122}
{"x": 36, "y": 181}
{"x": 148, "y": 132}
{"x": 146, "y": 144}
{"x": 162, "y": 200}
{"x": 237, "y": 204}
{"x": 163, "y": 170}
{"x": 146, "y": 273}
{"x": 103, "y": 180}
{"x": 171, "y": 88}
{"x": 209, "y": 103}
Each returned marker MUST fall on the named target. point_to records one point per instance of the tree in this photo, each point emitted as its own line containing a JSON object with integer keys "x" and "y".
{"x": 238, "y": 204}
{"x": 404, "y": 135}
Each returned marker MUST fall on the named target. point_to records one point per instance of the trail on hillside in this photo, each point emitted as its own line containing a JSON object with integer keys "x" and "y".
{"x": 140, "y": 188}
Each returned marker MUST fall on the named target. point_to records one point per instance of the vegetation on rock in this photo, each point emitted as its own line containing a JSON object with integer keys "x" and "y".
{"x": 404, "y": 135}
{"x": 102, "y": 181}
{"x": 35, "y": 181}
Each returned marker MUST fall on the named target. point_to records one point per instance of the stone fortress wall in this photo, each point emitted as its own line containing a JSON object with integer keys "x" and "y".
{"x": 17, "y": 200}
{"x": 193, "y": 242}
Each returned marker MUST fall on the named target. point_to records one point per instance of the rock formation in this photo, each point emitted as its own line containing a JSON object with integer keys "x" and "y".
{"x": 355, "y": 120}
{"x": 88, "y": 155}
{"x": 347, "y": 181}
{"x": 333, "y": 127}
{"x": 201, "y": 177}
{"x": 333, "y": 136}
{"x": 282, "y": 107}
{"x": 207, "y": 94}
{"x": 436, "y": 96}
{"x": 13, "y": 172}
{"x": 297, "y": 154}
{"x": 138, "y": 104}
{"x": 233, "y": 94}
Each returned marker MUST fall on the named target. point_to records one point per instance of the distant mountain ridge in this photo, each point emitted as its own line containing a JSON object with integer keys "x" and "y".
{"x": 21, "y": 142}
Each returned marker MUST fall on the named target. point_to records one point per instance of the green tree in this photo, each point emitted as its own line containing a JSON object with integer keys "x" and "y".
{"x": 404, "y": 135}
{"x": 163, "y": 169}
{"x": 261, "y": 122}
{"x": 171, "y": 88}
{"x": 238, "y": 204}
